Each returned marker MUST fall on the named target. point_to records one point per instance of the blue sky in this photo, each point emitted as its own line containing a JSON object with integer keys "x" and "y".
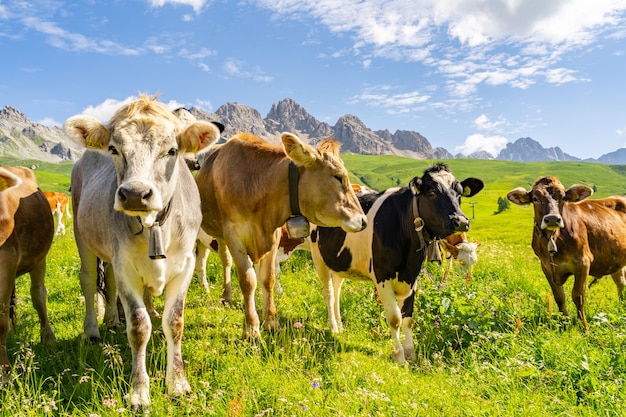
{"x": 466, "y": 74}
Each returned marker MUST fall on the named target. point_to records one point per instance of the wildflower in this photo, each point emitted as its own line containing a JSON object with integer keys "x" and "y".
{"x": 315, "y": 384}
{"x": 298, "y": 325}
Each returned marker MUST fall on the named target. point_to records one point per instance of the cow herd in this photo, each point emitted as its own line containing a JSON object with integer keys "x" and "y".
{"x": 140, "y": 212}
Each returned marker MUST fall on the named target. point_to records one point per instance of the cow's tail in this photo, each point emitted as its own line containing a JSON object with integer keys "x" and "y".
{"x": 12, "y": 314}
{"x": 101, "y": 281}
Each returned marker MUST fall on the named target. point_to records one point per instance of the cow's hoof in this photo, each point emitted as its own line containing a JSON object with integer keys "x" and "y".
{"x": 271, "y": 324}
{"x": 398, "y": 356}
{"x": 178, "y": 388}
{"x": 409, "y": 354}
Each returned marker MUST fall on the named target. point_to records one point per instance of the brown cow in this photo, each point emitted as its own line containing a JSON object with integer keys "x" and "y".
{"x": 26, "y": 232}
{"x": 576, "y": 239}
{"x": 60, "y": 206}
{"x": 245, "y": 193}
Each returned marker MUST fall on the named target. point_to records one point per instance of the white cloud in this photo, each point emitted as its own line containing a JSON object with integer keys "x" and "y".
{"x": 60, "y": 38}
{"x": 394, "y": 103}
{"x": 482, "y": 122}
{"x": 50, "y": 122}
{"x": 478, "y": 142}
{"x": 621, "y": 132}
{"x": 197, "y": 5}
{"x": 505, "y": 42}
{"x": 235, "y": 68}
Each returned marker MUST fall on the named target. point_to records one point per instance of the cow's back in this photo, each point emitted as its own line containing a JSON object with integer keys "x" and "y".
{"x": 32, "y": 234}
{"x": 235, "y": 182}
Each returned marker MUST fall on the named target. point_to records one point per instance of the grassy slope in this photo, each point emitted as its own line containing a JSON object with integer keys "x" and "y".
{"x": 491, "y": 349}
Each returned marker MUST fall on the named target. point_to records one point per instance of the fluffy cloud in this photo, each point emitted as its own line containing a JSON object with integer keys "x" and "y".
{"x": 479, "y": 142}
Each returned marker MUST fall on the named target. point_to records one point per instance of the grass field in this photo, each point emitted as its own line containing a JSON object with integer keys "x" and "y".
{"x": 496, "y": 348}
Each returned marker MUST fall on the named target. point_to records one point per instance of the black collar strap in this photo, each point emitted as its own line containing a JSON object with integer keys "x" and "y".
{"x": 293, "y": 189}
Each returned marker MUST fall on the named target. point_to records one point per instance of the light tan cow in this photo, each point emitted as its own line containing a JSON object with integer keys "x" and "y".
{"x": 136, "y": 206}
{"x": 60, "y": 206}
{"x": 245, "y": 192}
{"x": 26, "y": 232}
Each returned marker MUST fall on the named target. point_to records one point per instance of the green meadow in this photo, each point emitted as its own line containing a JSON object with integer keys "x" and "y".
{"x": 496, "y": 347}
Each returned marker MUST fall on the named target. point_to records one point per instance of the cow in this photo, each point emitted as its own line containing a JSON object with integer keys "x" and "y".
{"x": 60, "y": 206}
{"x": 26, "y": 233}
{"x": 575, "y": 236}
{"x": 249, "y": 188}
{"x": 136, "y": 207}
{"x": 458, "y": 250}
{"x": 401, "y": 223}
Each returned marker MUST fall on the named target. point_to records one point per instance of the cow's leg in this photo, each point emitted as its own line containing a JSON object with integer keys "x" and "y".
{"x": 393, "y": 316}
{"x": 173, "y": 324}
{"x": 619, "y": 278}
{"x": 7, "y": 285}
{"x": 267, "y": 269}
{"x": 111, "y": 313}
{"x": 227, "y": 263}
{"x": 407, "y": 326}
{"x": 138, "y": 329}
{"x": 39, "y": 296}
{"x": 202, "y": 255}
{"x": 337, "y": 283}
{"x": 88, "y": 283}
{"x": 247, "y": 283}
{"x": 578, "y": 296}
{"x": 324, "y": 273}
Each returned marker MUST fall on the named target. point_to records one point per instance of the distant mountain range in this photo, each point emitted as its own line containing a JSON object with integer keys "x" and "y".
{"x": 22, "y": 138}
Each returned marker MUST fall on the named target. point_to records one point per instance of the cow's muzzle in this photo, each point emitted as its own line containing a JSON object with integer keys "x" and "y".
{"x": 460, "y": 223}
{"x": 135, "y": 197}
{"x": 552, "y": 222}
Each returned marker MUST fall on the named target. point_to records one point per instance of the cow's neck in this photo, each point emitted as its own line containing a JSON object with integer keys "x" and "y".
{"x": 419, "y": 224}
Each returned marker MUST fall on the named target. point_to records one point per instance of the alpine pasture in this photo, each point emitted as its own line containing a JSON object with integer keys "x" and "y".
{"x": 497, "y": 348}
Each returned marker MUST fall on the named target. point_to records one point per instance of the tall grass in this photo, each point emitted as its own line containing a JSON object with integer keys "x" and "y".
{"x": 497, "y": 347}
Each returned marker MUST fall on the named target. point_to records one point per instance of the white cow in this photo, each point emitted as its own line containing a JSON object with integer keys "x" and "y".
{"x": 136, "y": 206}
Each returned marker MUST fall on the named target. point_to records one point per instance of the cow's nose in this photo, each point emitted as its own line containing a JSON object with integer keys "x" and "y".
{"x": 460, "y": 223}
{"x": 363, "y": 223}
{"x": 134, "y": 197}
{"x": 552, "y": 221}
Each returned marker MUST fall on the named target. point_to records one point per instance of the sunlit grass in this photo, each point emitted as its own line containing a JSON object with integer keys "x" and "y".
{"x": 497, "y": 347}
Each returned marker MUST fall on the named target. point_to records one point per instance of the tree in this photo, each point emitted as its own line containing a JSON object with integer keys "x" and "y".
{"x": 503, "y": 204}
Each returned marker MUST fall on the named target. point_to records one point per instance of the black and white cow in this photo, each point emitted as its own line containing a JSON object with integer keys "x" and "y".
{"x": 391, "y": 250}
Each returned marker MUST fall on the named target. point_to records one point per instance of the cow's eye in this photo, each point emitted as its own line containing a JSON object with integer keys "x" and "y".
{"x": 535, "y": 199}
{"x": 339, "y": 178}
{"x": 431, "y": 194}
{"x": 113, "y": 150}
{"x": 172, "y": 152}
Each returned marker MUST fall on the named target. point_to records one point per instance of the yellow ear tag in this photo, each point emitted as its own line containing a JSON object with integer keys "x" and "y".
{"x": 91, "y": 143}
{"x": 3, "y": 184}
{"x": 467, "y": 191}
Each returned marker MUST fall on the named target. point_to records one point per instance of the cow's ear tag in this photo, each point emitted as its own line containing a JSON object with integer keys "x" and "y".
{"x": 467, "y": 191}
{"x": 419, "y": 224}
{"x": 297, "y": 227}
{"x": 91, "y": 143}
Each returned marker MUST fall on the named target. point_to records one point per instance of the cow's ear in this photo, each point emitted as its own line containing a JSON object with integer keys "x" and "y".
{"x": 198, "y": 137}
{"x": 471, "y": 186}
{"x": 415, "y": 184}
{"x": 577, "y": 192}
{"x": 8, "y": 179}
{"x": 298, "y": 151}
{"x": 88, "y": 131}
{"x": 519, "y": 196}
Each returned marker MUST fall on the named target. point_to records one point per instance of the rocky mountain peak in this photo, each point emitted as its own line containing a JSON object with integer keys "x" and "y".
{"x": 529, "y": 150}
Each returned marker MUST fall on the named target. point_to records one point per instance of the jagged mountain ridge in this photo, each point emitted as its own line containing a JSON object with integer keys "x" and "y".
{"x": 20, "y": 137}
